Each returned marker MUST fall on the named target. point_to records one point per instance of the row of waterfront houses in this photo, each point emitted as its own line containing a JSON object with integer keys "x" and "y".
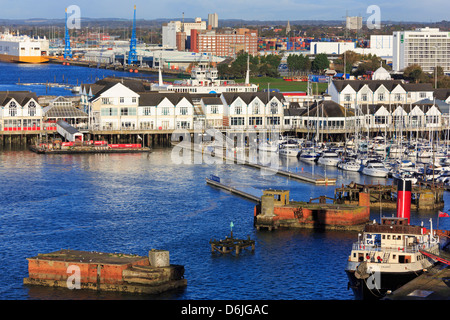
{"x": 114, "y": 104}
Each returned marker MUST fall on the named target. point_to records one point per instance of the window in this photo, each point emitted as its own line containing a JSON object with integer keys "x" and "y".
{"x": 214, "y": 109}
{"x": 273, "y": 107}
{"x": 238, "y": 109}
{"x": 273, "y": 121}
{"x": 31, "y": 109}
{"x": 122, "y": 100}
{"x": 128, "y": 111}
{"x": 255, "y": 121}
{"x": 165, "y": 111}
{"x": 397, "y": 97}
{"x": 256, "y": 108}
{"x": 109, "y": 112}
{"x": 183, "y": 111}
{"x": 364, "y": 97}
{"x": 12, "y": 109}
{"x": 381, "y": 96}
{"x": 133, "y": 100}
{"x": 105, "y": 101}
{"x": 147, "y": 111}
{"x": 237, "y": 121}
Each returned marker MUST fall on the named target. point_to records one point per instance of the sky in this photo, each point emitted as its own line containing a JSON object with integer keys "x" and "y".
{"x": 394, "y": 10}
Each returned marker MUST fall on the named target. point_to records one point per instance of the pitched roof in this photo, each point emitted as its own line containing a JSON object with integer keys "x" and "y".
{"x": 375, "y": 84}
{"x": 152, "y": 98}
{"x": 442, "y": 93}
{"x": 248, "y": 97}
{"x": 22, "y": 97}
{"x": 327, "y": 108}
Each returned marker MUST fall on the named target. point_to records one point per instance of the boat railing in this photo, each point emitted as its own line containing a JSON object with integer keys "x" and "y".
{"x": 399, "y": 249}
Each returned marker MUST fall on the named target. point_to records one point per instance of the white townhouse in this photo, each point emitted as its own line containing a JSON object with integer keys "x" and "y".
{"x": 400, "y": 116}
{"x": 165, "y": 111}
{"x": 352, "y": 93}
{"x": 253, "y": 110}
{"x": 214, "y": 111}
{"x": 20, "y": 111}
{"x": 114, "y": 108}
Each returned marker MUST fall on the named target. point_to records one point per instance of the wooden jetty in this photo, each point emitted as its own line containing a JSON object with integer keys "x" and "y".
{"x": 423, "y": 196}
{"x": 230, "y": 244}
{"x": 215, "y": 181}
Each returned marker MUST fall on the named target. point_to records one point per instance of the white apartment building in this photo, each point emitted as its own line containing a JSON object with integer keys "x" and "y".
{"x": 352, "y": 93}
{"x": 427, "y": 47}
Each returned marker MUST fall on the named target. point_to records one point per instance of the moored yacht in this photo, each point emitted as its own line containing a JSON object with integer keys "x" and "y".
{"x": 375, "y": 169}
{"x": 329, "y": 158}
{"x": 309, "y": 155}
{"x": 289, "y": 150}
{"x": 349, "y": 165}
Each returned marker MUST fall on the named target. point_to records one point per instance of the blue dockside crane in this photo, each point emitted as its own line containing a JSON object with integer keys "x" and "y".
{"x": 67, "y": 49}
{"x": 132, "y": 56}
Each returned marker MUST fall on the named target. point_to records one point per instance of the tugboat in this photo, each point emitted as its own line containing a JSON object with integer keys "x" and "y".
{"x": 390, "y": 253}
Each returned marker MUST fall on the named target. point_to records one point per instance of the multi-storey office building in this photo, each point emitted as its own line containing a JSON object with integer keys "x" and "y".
{"x": 427, "y": 47}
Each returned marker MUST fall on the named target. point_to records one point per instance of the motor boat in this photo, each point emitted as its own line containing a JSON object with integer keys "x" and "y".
{"x": 329, "y": 158}
{"x": 289, "y": 150}
{"x": 309, "y": 155}
{"x": 375, "y": 169}
{"x": 349, "y": 165}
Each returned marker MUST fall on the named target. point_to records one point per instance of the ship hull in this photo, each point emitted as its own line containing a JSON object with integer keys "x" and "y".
{"x": 388, "y": 281}
{"x": 24, "y": 59}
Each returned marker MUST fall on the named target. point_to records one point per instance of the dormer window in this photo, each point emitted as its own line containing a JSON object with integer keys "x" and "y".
{"x": 31, "y": 109}
{"x": 12, "y": 109}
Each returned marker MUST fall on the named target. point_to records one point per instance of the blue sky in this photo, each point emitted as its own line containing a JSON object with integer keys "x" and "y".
{"x": 397, "y": 10}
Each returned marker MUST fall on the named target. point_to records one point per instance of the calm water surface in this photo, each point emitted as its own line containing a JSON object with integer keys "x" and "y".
{"x": 133, "y": 203}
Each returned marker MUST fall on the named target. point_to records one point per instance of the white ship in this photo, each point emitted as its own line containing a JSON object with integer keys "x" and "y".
{"x": 23, "y": 49}
{"x": 204, "y": 79}
{"x": 391, "y": 253}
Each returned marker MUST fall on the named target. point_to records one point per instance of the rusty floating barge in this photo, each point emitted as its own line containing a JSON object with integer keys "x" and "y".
{"x": 277, "y": 211}
{"x": 423, "y": 196}
{"x": 125, "y": 273}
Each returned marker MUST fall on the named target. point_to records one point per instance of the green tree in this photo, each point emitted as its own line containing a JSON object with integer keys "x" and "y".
{"x": 320, "y": 62}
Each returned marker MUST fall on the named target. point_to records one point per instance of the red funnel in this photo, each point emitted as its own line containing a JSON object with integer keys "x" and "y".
{"x": 404, "y": 199}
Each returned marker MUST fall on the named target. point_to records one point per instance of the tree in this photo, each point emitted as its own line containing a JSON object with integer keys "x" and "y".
{"x": 414, "y": 72}
{"x": 320, "y": 62}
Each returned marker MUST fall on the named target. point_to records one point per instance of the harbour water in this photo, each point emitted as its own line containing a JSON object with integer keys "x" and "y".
{"x": 132, "y": 203}
{"x": 136, "y": 202}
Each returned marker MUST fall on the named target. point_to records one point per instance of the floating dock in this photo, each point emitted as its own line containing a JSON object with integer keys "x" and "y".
{"x": 215, "y": 181}
{"x": 300, "y": 176}
{"x": 75, "y": 269}
{"x": 277, "y": 211}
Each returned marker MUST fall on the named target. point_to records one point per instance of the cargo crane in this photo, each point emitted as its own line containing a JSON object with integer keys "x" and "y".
{"x": 67, "y": 49}
{"x": 132, "y": 56}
